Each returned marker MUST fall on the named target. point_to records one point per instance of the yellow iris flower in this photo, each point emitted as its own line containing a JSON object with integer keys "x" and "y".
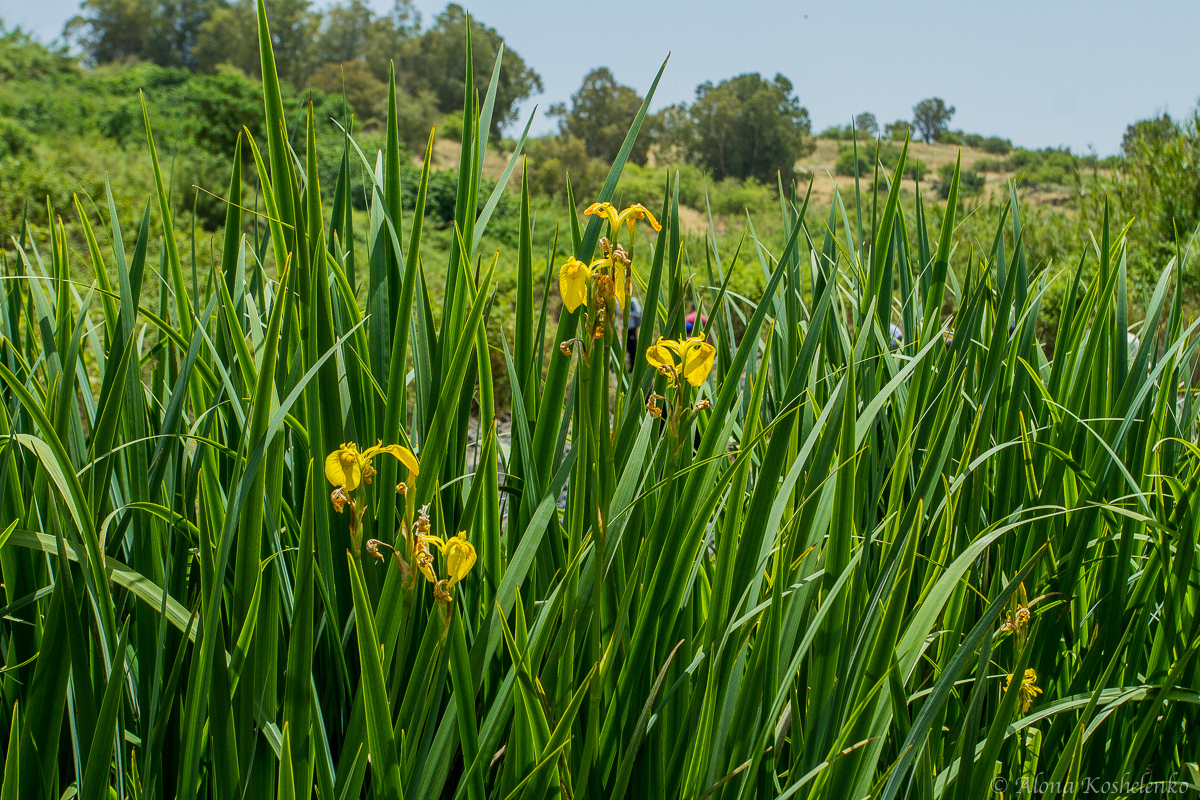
{"x": 574, "y": 277}
{"x": 629, "y": 216}
{"x": 1028, "y": 690}
{"x": 691, "y": 359}
{"x": 348, "y": 468}
{"x": 460, "y": 557}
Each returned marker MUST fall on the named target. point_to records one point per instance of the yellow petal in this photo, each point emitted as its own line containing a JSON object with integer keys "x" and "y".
{"x": 638, "y": 211}
{"x": 619, "y": 284}
{"x": 605, "y": 210}
{"x": 400, "y": 452}
{"x": 697, "y": 360}
{"x": 460, "y": 557}
{"x": 659, "y": 355}
{"x": 343, "y": 467}
{"x": 572, "y": 283}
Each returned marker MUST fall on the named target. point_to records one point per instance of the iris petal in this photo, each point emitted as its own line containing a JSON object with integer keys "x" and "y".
{"x": 605, "y": 210}
{"x": 697, "y": 361}
{"x": 638, "y": 211}
{"x": 343, "y": 467}
{"x": 400, "y": 452}
{"x": 659, "y": 354}
{"x": 572, "y": 283}
{"x": 460, "y": 557}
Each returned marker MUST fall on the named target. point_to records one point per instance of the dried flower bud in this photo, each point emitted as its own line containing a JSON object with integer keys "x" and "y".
{"x": 373, "y": 548}
{"x": 652, "y": 404}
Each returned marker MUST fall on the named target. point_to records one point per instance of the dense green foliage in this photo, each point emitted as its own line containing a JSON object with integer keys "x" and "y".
{"x": 1160, "y": 182}
{"x": 315, "y": 47}
{"x": 830, "y": 560}
{"x": 988, "y": 144}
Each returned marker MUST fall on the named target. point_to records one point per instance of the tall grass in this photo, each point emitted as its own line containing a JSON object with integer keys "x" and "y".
{"x": 809, "y": 576}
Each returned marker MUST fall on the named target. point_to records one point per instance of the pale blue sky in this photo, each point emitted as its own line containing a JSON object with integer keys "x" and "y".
{"x": 1042, "y": 73}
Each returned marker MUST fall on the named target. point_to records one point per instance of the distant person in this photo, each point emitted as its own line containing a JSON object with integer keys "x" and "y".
{"x": 631, "y": 339}
{"x": 690, "y": 321}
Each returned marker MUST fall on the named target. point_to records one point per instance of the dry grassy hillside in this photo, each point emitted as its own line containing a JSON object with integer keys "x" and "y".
{"x": 821, "y": 164}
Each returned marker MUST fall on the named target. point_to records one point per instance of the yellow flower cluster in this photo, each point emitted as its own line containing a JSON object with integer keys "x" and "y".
{"x": 457, "y": 551}
{"x": 575, "y": 277}
{"x": 690, "y": 359}
{"x": 629, "y": 216}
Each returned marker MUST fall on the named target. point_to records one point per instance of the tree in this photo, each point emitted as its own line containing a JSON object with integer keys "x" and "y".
{"x": 293, "y": 28}
{"x": 229, "y": 36}
{"x": 673, "y": 133}
{"x": 1157, "y": 184}
{"x": 164, "y": 32}
{"x": 865, "y": 123}
{"x": 896, "y": 131}
{"x": 434, "y": 62}
{"x": 1148, "y": 134}
{"x": 111, "y": 30}
{"x": 23, "y": 57}
{"x": 345, "y": 29}
{"x": 749, "y": 127}
{"x": 931, "y": 116}
{"x": 601, "y": 113}
{"x": 351, "y": 31}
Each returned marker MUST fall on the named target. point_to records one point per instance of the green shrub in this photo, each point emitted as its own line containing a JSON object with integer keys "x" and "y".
{"x": 734, "y": 197}
{"x": 847, "y": 162}
{"x": 838, "y": 133}
{"x": 14, "y": 139}
{"x": 553, "y": 158}
{"x": 996, "y": 145}
{"x": 450, "y": 127}
{"x": 896, "y": 131}
{"x": 970, "y": 182}
{"x": 888, "y": 154}
{"x": 914, "y": 168}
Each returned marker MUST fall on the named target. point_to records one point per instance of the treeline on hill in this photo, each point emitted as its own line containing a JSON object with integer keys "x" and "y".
{"x": 70, "y": 115}
{"x": 744, "y": 127}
